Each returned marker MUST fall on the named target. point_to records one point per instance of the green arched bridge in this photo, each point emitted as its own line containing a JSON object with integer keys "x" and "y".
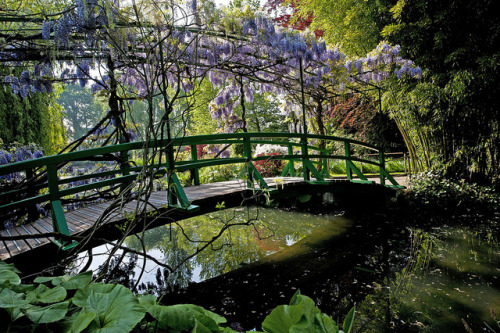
{"x": 45, "y": 183}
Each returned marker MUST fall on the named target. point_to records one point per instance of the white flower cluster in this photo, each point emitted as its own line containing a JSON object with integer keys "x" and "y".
{"x": 268, "y": 149}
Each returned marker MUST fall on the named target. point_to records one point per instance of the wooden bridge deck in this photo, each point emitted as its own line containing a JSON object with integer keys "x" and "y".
{"x": 84, "y": 218}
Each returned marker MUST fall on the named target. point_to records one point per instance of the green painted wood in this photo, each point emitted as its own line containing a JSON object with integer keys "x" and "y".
{"x": 324, "y": 168}
{"x": 381, "y": 160}
{"x": 303, "y": 149}
{"x": 290, "y": 140}
{"x": 59, "y": 223}
{"x": 53, "y": 182}
{"x": 179, "y": 191}
{"x": 83, "y": 154}
{"x": 215, "y": 141}
{"x": 90, "y": 176}
{"x": 195, "y": 173}
{"x": 184, "y": 166}
{"x": 96, "y": 185}
{"x": 364, "y": 181}
{"x": 310, "y": 167}
{"x": 256, "y": 175}
{"x": 347, "y": 150}
{"x": 24, "y": 202}
{"x": 286, "y": 171}
{"x": 356, "y": 170}
{"x": 393, "y": 181}
{"x": 63, "y": 158}
{"x": 247, "y": 153}
{"x": 291, "y": 162}
{"x": 190, "y": 209}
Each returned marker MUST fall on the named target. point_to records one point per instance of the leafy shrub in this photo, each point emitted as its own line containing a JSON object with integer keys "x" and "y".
{"x": 75, "y": 304}
{"x": 218, "y": 173}
{"x": 185, "y": 178}
{"x": 433, "y": 191}
{"x": 367, "y": 168}
{"x": 184, "y": 155}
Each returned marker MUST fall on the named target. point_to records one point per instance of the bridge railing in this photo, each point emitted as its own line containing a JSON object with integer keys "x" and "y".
{"x": 43, "y": 183}
{"x": 289, "y": 141}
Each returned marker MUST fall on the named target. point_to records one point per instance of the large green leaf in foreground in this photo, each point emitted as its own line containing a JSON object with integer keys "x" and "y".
{"x": 115, "y": 309}
{"x": 8, "y": 275}
{"x": 182, "y": 317}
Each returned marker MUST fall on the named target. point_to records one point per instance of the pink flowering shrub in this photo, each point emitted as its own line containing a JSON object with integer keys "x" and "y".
{"x": 269, "y": 167}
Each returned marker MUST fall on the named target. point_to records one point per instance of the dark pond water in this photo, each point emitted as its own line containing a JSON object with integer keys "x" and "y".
{"x": 401, "y": 278}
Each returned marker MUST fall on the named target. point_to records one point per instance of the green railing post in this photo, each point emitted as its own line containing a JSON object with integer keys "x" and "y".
{"x": 291, "y": 164}
{"x": 172, "y": 198}
{"x": 195, "y": 174}
{"x": 348, "y": 169}
{"x": 324, "y": 171}
{"x": 303, "y": 138}
{"x": 31, "y": 192}
{"x": 305, "y": 157}
{"x": 247, "y": 152}
{"x": 381, "y": 161}
{"x": 59, "y": 223}
{"x": 124, "y": 167}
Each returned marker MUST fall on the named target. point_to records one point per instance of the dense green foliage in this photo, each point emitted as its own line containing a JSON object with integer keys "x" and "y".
{"x": 353, "y": 25}
{"x": 451, "y": 119}
{"x": 35, "y": 119}
{"x": 432, "y": 192}
{"x": 74, "y": 304}
{"x": 264, "y": 114}
{"x": 200, "y": 120}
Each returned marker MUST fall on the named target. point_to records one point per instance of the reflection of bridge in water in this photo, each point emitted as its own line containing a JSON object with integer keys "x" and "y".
{"x": 46, "y": 183}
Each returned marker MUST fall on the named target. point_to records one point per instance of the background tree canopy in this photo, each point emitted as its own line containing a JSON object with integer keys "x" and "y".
{"x": 81, "y": 111}
{"x": 355, "y": 26}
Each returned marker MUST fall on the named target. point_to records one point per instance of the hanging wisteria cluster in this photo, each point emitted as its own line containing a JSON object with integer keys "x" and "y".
{"x": 86, "y": 18}
{"x": 260, "y": 59}
{"x": 270, "y": 58}
{"x": 38, "y": 81}
{"x": 18, "y": 154}
{"x": 73, "y": 38}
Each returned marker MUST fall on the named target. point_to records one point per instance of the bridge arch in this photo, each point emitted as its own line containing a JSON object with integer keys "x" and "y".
{"x": 42, "y": 183}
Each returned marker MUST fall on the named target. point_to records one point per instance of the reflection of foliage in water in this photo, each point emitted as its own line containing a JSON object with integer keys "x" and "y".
{"x": 449, "y": 276}
{"x": 269, "y": 231}
{"x": 240, "y": 245}
{"x": 175, "y": 256}
{"x": 121, "y": 272}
